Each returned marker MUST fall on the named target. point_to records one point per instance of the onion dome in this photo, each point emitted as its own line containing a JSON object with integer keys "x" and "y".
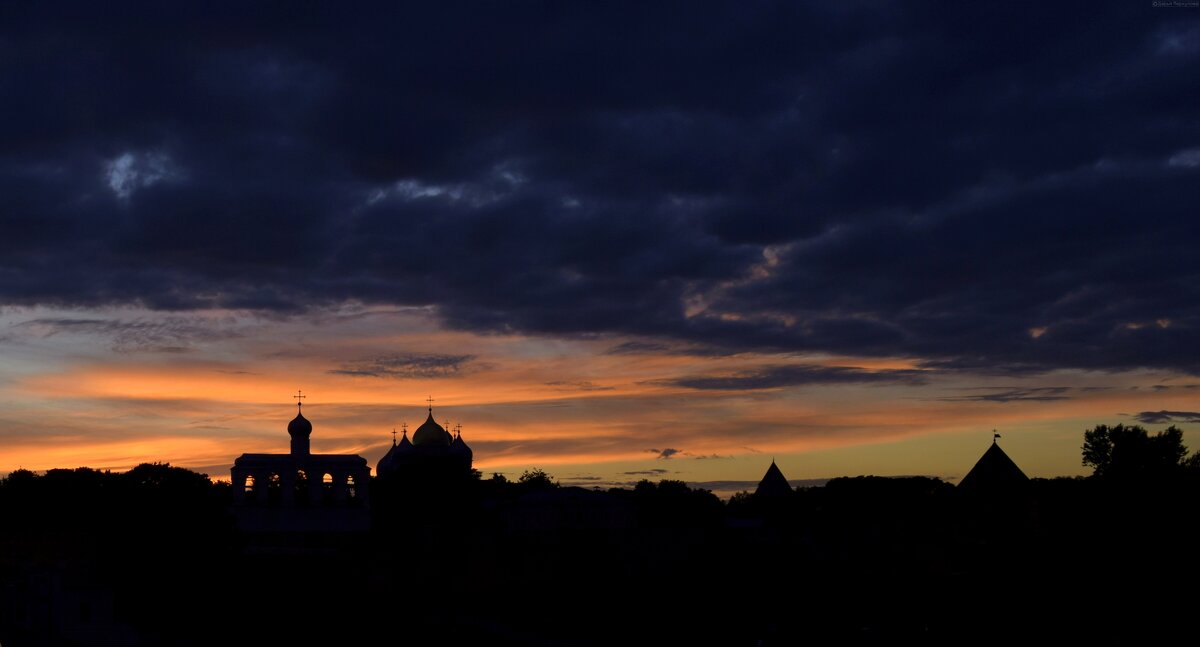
{"x": 431, "y": 434}
{"x": 460, "y": 449}
{"x": 385, "y": 464}
{"x": 404, "y": 448}
{"x": 299, "y": 426}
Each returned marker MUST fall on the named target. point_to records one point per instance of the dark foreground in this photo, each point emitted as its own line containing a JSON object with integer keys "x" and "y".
{"x": 89, "y": 558}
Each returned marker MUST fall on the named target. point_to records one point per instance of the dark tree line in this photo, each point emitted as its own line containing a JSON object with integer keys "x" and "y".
{"x": 860, "y": 560}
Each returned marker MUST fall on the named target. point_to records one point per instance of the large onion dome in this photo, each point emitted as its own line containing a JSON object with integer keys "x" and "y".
{"x": 431, "y": 434}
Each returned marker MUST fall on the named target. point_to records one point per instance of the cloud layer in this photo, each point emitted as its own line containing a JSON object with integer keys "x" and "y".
{"x": 984, "y": 187}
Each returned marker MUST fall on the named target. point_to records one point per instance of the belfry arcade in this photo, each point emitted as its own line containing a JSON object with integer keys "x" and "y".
{"x": 300, "y": 490}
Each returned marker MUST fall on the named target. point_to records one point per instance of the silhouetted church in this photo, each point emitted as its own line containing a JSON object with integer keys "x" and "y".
{"x": 432, "y": 454}
{"x": 995, "y": 472}
{"x": 301, "y": 491}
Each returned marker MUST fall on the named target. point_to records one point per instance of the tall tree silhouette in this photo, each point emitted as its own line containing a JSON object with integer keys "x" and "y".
{"x": 1130, "y": 452}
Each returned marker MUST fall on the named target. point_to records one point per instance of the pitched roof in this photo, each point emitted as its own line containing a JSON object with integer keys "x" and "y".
{"x": 994, "y": 471}
{"x": 773, "y": 483}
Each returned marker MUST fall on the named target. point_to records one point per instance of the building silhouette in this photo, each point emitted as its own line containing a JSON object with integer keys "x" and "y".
{"x": 994, "y": 473}
{"x": 773, "y": 484}
{"x": 433, "y": 454}
{"x": 301, "y": 491}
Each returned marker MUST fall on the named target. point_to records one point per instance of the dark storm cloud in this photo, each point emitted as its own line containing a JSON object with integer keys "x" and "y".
{"x": 773, "y": 377}
{"x": 981, "y": 186}
{"x": 703, "y": 349}
{"x": 406, "y": 365}
{"x": 1163, "y": 417}
{"x": 638, "y": 348}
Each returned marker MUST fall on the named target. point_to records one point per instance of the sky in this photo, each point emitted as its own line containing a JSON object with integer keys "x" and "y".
{"x": 636, "y": 240}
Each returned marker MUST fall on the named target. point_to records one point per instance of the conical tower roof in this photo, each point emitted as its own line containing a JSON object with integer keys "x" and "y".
{"x": 993, "y": 472}
{"x": 773, "y": 483}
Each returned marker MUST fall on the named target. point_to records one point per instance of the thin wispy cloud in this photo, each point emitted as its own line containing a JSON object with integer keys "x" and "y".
{"x": 578, "y": 385}
{"x": 406, "y": 366}
{"x": 652, "y": 472}
{"x": 773, "y": 377}
{"x": 1014, "y": 394}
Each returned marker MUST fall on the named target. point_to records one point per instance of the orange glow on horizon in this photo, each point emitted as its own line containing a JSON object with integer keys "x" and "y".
{"x": 521, "y": 401}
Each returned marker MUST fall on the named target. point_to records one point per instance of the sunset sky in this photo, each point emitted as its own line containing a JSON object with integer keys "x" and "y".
{"x": 618, "y": 242}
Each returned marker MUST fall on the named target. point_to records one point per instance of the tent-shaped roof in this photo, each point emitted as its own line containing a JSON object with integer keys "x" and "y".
{"x": 773, "y": 483}
{"x": 995, "y": 471}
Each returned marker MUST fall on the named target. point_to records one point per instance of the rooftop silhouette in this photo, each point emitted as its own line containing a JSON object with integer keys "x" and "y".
{"x": 993, "y": 472}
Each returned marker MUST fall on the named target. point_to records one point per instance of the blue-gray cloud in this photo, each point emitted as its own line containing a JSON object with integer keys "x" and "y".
{"x": 1163, "y": 417}
{"x": 172, "y": 334}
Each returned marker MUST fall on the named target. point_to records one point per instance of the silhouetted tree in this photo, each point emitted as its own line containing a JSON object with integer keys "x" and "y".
{"x": 536, "y": 479}
{"x": 740, "y": 499}
{"x": 1130, "y": 452}
{"x": 672, "y": 503}
{"x": 18, "y": 478}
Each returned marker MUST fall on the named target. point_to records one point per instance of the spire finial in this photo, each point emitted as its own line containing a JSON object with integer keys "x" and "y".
{"x": 299, "y": 396}
{"x": 393, "y": 436}
{"x": 403, "y": 428}
{"x": 430, "y": 401}
{"x": 995, "y": 436}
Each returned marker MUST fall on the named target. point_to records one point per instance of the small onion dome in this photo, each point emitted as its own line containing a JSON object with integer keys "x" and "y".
{"x": 459, "y": 448}
{"x": 403, "y": 448}
{"x": 431, "y": 434}
{"x": 385, "y": 463}
{"x": 299, "y": 426}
